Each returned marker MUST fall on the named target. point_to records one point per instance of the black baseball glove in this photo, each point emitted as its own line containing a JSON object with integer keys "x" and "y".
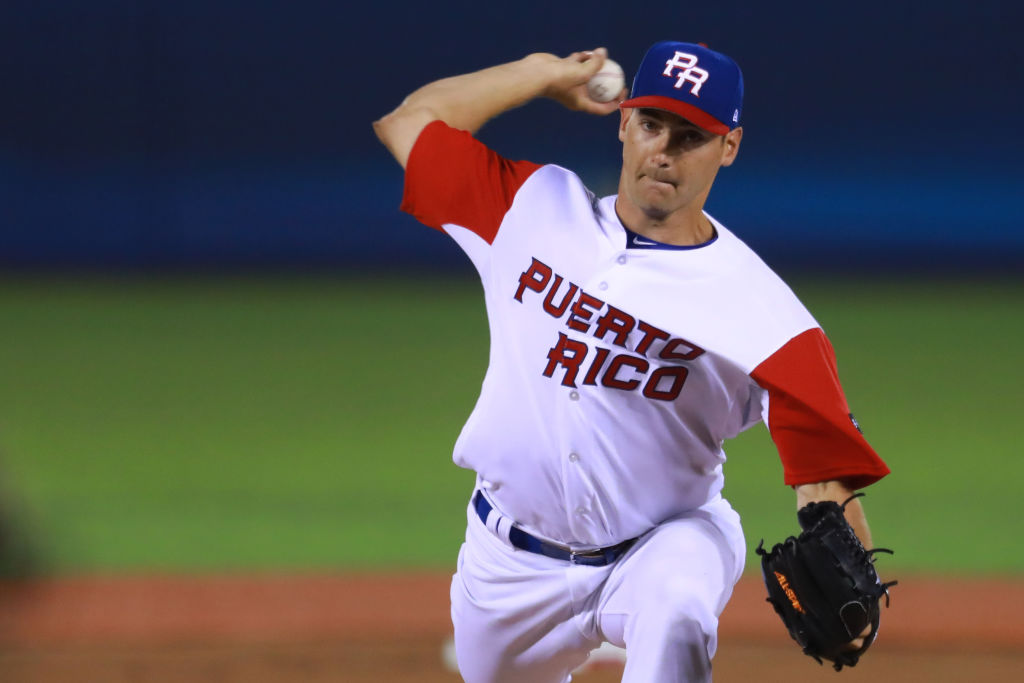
{"x": 824, "y": 586}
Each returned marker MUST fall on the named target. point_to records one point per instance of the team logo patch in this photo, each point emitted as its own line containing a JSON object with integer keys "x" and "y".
{"x": 855, "y": 423}
{"x": 688, "y": 72}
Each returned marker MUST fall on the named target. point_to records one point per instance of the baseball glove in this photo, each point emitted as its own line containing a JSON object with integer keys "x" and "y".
{"x": 823, "y": 585}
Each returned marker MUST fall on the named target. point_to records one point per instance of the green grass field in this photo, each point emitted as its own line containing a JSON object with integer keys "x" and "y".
{"x": 307, "y": 423}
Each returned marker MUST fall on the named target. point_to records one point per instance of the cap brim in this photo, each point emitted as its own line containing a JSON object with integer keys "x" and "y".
{"x": 687, "y": 111}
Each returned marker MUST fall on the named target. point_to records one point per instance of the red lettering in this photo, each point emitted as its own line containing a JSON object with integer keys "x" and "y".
{"x": 595, "y": 367}
{"x": 528, "y": 280}
{"x": 580, "y": 316}
{"x": 618, "y": 322}
{"x": 677, "y": 374}
{"x": 568, "y": 353}
{"x": 625, "y": 372}
{"x": 549, "y": 306}
{"x": 670, "y": 353}
{"x": 610, "y": 379}
{"x": 650, "y": 334}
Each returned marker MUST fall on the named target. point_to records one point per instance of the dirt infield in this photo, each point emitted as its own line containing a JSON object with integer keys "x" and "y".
{"x": 362, "y": 628}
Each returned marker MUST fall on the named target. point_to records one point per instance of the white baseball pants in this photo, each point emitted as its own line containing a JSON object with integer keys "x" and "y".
{"x": 525, "y": 618}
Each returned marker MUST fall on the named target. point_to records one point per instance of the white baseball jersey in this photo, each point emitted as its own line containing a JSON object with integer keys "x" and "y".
{"x": 618, "y": 366}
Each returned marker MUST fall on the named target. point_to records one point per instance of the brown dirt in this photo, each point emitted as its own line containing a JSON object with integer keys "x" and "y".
{"x": 362, "y": 628}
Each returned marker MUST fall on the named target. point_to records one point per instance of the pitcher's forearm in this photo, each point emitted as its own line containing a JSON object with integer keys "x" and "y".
{"x": 468, "y": 101}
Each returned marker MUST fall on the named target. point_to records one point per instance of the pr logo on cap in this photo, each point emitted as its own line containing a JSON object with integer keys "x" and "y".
{"x": 692, "y": 81}
{"x": 690, "y": 72}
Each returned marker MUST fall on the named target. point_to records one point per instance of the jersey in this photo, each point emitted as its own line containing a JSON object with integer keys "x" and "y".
{"x": 616, "y": 370}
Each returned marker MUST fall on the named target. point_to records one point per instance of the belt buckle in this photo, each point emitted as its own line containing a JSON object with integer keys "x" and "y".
{"x": 585, "y": 554}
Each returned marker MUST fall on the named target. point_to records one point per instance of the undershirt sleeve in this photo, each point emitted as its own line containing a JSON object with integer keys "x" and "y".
{"x": 809, "y": 418}
{"x": 453, "y": 178}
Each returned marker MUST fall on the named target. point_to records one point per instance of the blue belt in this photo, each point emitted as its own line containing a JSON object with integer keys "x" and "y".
{"x": 597, "y": 557}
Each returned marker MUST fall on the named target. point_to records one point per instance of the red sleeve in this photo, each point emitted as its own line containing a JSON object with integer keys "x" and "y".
{"x": 451, "y": 177}
{"x": 809, "y": 419}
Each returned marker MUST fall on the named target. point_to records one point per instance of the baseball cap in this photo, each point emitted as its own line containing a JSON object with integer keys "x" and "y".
{"x": 691, "y": 80}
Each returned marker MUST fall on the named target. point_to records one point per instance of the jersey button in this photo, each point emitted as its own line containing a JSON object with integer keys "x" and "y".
{"x": 574, "y": 457}
{"x": 603, "y": 286}
{"x": 574, "y": 395}
{"x": 622, "y": 259}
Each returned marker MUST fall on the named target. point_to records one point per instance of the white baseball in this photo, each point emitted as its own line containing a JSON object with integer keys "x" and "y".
{"x": 606, "y": 84}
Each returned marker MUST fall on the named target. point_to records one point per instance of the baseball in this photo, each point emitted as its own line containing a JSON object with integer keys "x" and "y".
{"x": 606, "y": 84}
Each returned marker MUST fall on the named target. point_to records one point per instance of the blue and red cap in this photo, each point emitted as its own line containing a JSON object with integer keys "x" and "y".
{"x": 689, "y": 79}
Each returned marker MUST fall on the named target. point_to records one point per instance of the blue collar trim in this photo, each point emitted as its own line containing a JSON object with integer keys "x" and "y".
{"x": 635, "y": 241}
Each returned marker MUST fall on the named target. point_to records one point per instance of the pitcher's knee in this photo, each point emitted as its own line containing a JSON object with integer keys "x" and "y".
{"x": 680, "y": 613}
{"x": 687, "y": 630}
{"x": 671, "y": 642}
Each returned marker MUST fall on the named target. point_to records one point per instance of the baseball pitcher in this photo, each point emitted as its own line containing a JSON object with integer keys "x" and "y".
{"x": 631, "y": 335}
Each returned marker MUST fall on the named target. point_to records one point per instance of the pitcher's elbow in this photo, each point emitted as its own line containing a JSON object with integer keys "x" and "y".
{"x": 381, "y": 128}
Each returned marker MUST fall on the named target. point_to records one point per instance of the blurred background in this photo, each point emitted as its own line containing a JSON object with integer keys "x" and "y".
{"x": 222, "y": 347}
